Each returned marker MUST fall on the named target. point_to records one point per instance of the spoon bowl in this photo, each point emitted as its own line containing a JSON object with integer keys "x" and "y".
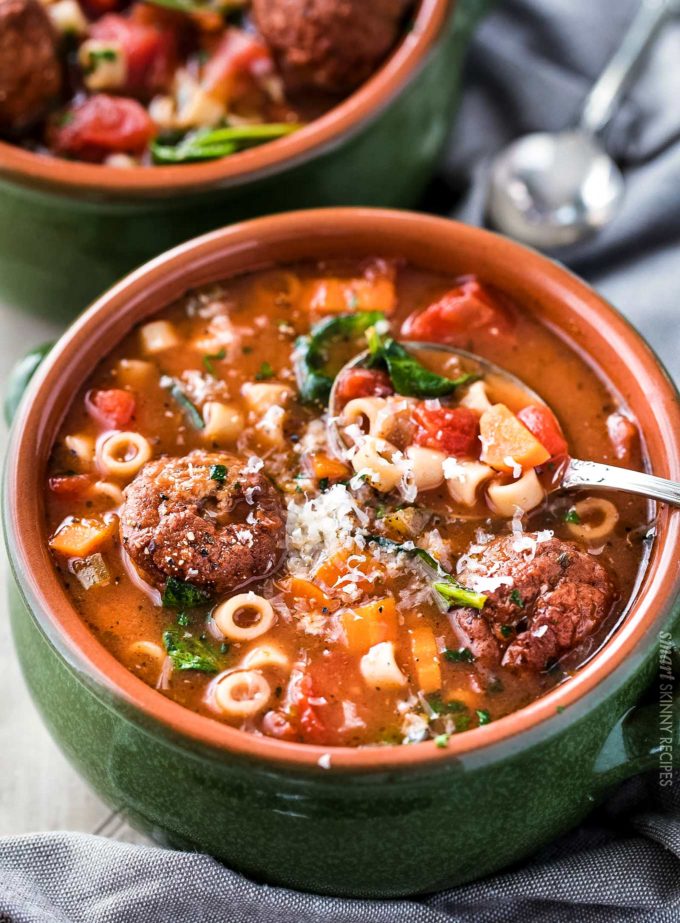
{"x": 575, "y": 474}
{"x": 551, "y": 190}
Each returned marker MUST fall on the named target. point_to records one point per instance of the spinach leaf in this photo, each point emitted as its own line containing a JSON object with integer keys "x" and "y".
{"x": 311, "y": 352}
{"x": 446, "y": 586}
{"x": 409, "y": 376}
{"x": 188, "y": 407}
{"x": 213, "y": 143}
{"x": 179, "y": 595}
{"x": 190, "y": 653}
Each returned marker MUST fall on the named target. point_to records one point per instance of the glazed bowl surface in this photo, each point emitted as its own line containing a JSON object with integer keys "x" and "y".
{"x": 381, "y": 821}
{"x": 69, "y": 230}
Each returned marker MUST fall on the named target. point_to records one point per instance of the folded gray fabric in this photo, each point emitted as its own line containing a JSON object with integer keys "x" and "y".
{"x": 530, "y": 68}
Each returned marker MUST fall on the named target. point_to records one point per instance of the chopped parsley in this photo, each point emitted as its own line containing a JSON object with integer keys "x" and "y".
{"x": 218, "y": 473}
{"x": 462, "y": 655}
{"x": 483, "y": 716}
{"x": 572, "y": 516}
{"x": 440, "y": 707}
{"x": 183, "y": 619}
{"x": 264, "y": 372}
{"x": 442, "y": 740}
{"x": 190, "y": 653}
{"x": 506, "y": 630}
{"x": 212, "y": 357}
{"x": 516, "y": 598}
{"x": 179, "y": 595}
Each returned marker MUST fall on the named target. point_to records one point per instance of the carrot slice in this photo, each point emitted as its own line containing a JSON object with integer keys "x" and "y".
{"x": 425, "y": 658}
{"x": 77, "y": 538}
{"x": 370, "y": 624}
{"x": 299, "y": 588}
{"x": 506, "y": 442}
{"x": 323, "y": 466}
{"x": 338, "y": 566}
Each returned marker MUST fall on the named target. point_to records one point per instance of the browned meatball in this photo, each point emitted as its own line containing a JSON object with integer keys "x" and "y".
{"x": 546, "y": 600}
{"x": 30, "y": 71}
{"x": 329, "y": 45}
{"x": 206, "y": 519}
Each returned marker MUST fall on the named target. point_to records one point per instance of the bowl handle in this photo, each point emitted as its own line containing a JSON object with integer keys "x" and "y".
{"x": 19, "y": 378}
{"x": 647, "y": 735}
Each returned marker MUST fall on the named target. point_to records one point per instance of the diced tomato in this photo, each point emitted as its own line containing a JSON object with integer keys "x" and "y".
{"x": 466, "y": 308}
{"x": 453, "y": 430}
{"x": 70, "y": 485}
{"x": 541, "y": 423}
{"x": 149, "y": 51}
{"x": 96, "y": 8}
{"x": 238, "y": 55}
{"x": 103, "y": 125}
{"x": 622, "y": 434}
{"x": 114, "y": 407}
{"x": 355, "y": 383}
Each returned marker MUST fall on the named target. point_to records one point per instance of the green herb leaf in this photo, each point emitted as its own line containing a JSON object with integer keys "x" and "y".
{"x": 208, "y": 360}
{"x": 183, "y": 619}
{"x": 214, "y": 143}
{"x": 190, "y": 653}
{"x": 452, "y": 592}
{"x": 440, "y": 707}
{"x": 516, "y": 598}
{"x": 190, "y": 410}
{"x": 483, "y": 716}
{"x": 409, "y": 376}
{"x": 448, "y": 588}
{"x": 311, "y": 352}
{"x": 572, "y": 516}
{"x": 506, "y": 630}
{"x": 218, "y": 473}
{"x": 264, "y": 372}
{"x": 179, "y": 595}
{"x": 442, "y": 740}
{"x": 462, "y": 655}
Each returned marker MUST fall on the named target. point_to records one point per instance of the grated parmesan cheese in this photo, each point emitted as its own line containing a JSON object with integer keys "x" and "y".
{"x": 320, "y": 526}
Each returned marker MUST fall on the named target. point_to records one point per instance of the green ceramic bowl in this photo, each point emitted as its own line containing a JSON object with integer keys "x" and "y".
{"x": 69, "y": 230}
{"x": 379, "y": 821}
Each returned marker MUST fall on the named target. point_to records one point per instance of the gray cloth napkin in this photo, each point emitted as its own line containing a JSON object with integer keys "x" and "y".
{"x": 530, "y": 67}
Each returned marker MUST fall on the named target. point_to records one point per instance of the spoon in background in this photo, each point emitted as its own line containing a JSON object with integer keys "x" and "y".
{"x": 576, "y": 474}
{"x": 551, "y": 189}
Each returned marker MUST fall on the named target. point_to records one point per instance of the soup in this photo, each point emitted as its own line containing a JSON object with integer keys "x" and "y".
{"x": 396, "y": 570}
{"x": 180, "y": 81}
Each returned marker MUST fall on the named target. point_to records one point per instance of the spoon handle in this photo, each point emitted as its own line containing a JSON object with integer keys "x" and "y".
{"x": 593, "y": 474}
{"x": 602, "y": 99}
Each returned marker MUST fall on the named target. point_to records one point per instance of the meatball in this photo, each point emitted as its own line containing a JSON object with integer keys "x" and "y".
{"x": 206, "y": 519}
{"x": 329, "y": 45}
{"x": 30, "y": 71}
{"x": 546, "y": 598}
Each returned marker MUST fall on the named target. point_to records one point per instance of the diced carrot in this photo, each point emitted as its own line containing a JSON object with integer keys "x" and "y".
{"x": 70, "y": 485}
{"x": 299, "y": 588}
{"x": 506, "y": 442}
{"x": 370, "y": 624}
{"x": 323, "y": 466}
{"x": 77, "y": 538}
{"x": 337, "y": 296}
{"x": 425, "y": 658}
{"x": 338, "y": 565}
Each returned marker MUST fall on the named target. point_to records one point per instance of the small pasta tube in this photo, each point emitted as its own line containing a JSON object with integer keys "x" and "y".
{"x": 157, "y": 336}
{"x": 363, "y": 412}
{"x": 81, "y": 449}
{"x": 375, "y": 458}
{"x": 241, "y": 694}
{"x": 597, "y": 519}
{"x": 524, "y": 494}
{"x": 68, "y": 18}
{"x": 379, "y": 667}
{"x": 464, "y": 478}
{"x": 426, "y": 466}
{"x": 224, "y": 423}
{"x": 265, "y": 655}
{"x": 476, "y": 398}
{"x": 147, "y": 650}
{"x": 103, "y": 64}
{"x": 260, "y": 396}
{"x": 123, "y": 454}
{"x": 256, "y": 613}
{"x": 107, "y": 489}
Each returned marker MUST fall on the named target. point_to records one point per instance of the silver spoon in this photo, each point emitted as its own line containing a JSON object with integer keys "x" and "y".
{"x": 575, "y": 475}
{"x": 551, "y": 189}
